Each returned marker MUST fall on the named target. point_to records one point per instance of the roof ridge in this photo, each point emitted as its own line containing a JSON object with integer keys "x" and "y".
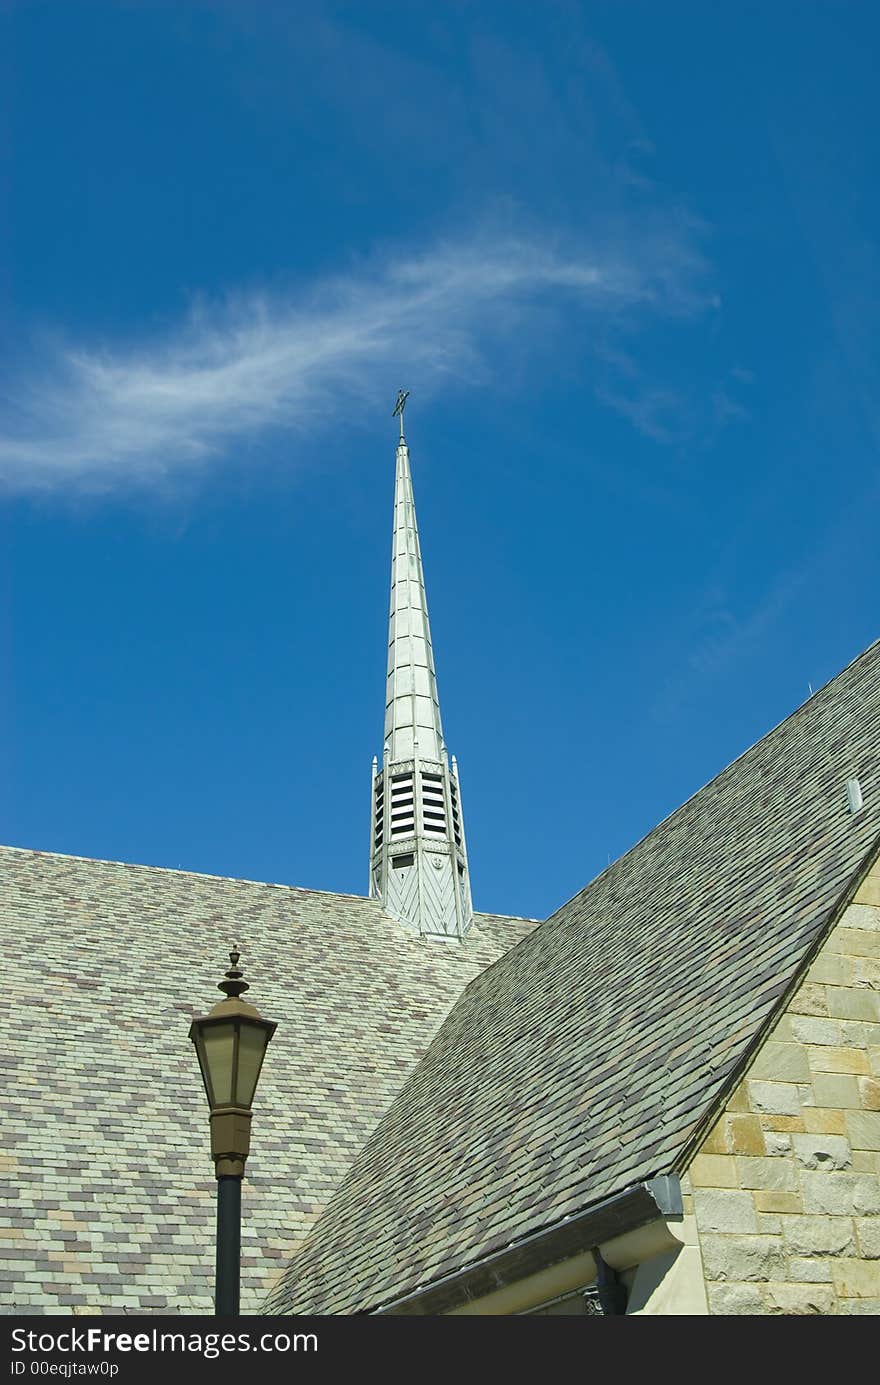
{"x": 873, "y": 646}
{"x": 234, "y": 879}
{"x": 490, "y": 914}
{"x": 172, "y": 870}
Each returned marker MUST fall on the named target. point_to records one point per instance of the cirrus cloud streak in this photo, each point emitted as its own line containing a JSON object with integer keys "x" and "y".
{"x": 99, "y": 418}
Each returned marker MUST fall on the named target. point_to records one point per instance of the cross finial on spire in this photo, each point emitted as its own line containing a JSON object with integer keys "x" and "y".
{"x": 402, "y": 397}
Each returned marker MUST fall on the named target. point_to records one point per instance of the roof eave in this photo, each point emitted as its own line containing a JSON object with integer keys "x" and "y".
{"x": 627, "y": 1210}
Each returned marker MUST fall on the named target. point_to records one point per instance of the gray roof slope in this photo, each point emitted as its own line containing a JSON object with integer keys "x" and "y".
{"x": 109, "y": 1192}
{"x": 582, "y": 1061}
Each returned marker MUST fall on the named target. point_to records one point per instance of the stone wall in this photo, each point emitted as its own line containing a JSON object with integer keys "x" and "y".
{"x": 786, "y": 1188}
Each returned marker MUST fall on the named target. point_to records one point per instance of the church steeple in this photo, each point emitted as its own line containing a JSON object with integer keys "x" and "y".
{"x": 418, "y": 861}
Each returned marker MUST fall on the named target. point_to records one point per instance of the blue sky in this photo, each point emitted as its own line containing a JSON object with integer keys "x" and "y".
{"x": 624, "y": 255}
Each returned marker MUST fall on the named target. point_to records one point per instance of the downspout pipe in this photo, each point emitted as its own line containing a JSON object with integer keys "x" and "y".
{"x": 612, "y": 1290}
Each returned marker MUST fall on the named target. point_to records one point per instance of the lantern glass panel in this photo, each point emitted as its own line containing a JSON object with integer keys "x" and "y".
{"x": 219, "y": 1042}
{"x": 252, "y": 1048}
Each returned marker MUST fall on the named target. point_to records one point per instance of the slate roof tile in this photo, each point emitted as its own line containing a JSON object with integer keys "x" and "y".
{"x": 585, "y": 1058}
{"x": 104, "y": 1113}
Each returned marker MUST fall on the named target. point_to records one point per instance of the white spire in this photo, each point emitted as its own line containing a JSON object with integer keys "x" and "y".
{"x": 418, "y": 859}
{"x": 412, "y": 710}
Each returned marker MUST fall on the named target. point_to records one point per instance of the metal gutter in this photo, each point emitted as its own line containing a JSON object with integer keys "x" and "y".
{"x": 625, "y": 1211}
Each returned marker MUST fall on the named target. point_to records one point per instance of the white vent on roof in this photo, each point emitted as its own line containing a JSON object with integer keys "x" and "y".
{"x": 854, "y": 796}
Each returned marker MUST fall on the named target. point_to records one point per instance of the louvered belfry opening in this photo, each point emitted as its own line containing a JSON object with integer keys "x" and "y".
{"x": 433, "y": 804}
{"x": 402, "y": 805}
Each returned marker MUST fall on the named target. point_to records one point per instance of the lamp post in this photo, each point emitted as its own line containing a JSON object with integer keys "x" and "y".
{"x": 231, "y": 1042}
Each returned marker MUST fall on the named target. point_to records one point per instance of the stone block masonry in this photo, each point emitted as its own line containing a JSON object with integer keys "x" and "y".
{"x": 786, "y": 1187}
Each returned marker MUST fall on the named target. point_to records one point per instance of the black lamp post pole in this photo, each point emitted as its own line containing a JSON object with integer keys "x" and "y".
{"x": 226, "y": 1290}
{"x": 231, "y": 1044}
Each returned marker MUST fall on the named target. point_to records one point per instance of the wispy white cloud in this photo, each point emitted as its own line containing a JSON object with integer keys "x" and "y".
{"x": 721, "y": 637}
{"x": 100, "y": 417}
{"x": 659, "y": 413}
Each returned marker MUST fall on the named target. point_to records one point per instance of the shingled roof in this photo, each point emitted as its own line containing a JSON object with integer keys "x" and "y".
{"x": 109, "y": 1195}
{"x": 584, "y": 1060}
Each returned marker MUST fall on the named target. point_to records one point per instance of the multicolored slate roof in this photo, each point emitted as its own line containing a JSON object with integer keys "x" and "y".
{"x": 108, "y": 1200}
{"x": 584, "y": 1060}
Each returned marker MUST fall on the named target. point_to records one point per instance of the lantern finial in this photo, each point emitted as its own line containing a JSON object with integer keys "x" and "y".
{"x": 233, "y": 985}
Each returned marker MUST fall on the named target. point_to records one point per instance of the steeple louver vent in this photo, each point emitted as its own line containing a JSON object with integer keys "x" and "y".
{"x": 402, "y": 805}
{"x": 433, "y": 804}
{"x": 379, "y": 815}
